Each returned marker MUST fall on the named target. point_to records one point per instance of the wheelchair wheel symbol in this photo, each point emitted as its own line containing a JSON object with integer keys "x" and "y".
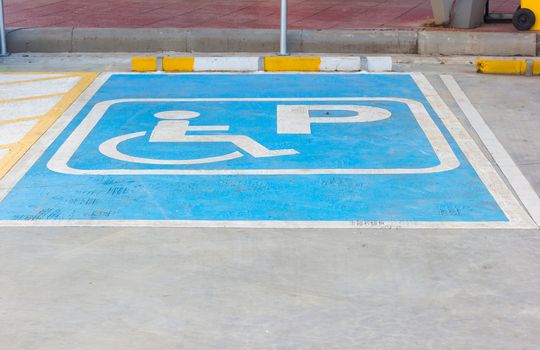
{"x": 174, "y": 126}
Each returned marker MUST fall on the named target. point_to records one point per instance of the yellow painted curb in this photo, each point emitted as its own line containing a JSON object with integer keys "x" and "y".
{"x": 502, "y": 66}
{"x": 144, "y": 64}
{"x": 536, "y": 68}
{"x": 17, "y": 150}
{"x": 178, "y": 64}
{"x": 292, "y": 64}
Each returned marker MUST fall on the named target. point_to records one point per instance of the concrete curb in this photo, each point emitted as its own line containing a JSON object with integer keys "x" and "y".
{"x": 476, "y": 43}
{"x": 257, "y": 64}
{"x": 267, "y": 40}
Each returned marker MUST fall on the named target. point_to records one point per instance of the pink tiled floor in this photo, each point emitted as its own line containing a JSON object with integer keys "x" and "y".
{"x": 304, "y": 14}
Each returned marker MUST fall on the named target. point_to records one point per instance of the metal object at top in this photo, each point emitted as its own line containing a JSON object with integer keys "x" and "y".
{"x": 283, "y": 42}
{"x": 3, "y": 44}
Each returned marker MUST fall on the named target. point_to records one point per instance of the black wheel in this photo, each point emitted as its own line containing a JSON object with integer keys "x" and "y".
{"x": 523, "y": 19}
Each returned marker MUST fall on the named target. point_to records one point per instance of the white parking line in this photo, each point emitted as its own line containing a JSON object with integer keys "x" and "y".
{"x": 521, "y": 185}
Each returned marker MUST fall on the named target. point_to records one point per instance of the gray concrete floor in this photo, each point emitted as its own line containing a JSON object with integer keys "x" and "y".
{"x": 141, "y": 288}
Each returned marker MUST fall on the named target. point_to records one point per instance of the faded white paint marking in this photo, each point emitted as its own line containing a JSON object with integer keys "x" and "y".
{"x": 14, "y": 132}
{"x": 27, "y": 108}
{"x": 231, "y": 64}
{"x": 518, "y": 181}
{"x": 343, "y": 64}
{"x": 38, "y": 88}
{"x": 378, "y": 64}
{"x": 3, "y": 153}
{"x": 11, "y": 78}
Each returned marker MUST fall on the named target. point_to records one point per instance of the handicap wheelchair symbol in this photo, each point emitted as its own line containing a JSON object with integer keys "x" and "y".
{"x": 174, "y": 127}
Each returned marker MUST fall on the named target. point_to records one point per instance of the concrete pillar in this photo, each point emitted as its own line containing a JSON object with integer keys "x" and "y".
{"x": 459, "y": 13}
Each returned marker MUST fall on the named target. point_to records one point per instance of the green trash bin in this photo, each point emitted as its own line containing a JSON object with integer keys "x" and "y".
{"x": 459, "y": 13}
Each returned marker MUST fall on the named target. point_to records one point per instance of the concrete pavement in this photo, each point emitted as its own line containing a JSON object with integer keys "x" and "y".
{"x": 80, "y": 288}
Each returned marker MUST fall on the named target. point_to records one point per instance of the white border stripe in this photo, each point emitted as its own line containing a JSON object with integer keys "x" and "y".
{"x": 268, "y": 224}
{"x": 521, "y": 185}
{"x": 483, "y": 167}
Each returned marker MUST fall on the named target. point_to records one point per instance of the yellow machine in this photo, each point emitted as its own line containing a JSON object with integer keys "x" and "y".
{"x": 527, "y": 16}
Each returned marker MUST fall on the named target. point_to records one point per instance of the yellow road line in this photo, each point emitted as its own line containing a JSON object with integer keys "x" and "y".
{"x": 37, "y": 80}
{"x": 6, "y": 146}
{"x": 20, "y": 148}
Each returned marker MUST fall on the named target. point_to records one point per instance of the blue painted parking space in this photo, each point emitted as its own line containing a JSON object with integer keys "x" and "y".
{"x": 362, "y": 148}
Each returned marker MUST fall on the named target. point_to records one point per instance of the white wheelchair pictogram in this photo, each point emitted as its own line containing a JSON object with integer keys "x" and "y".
{"x": 174, "y": 127}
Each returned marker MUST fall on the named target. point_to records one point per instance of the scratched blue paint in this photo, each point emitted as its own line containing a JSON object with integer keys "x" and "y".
{"x": 396, "y": 142}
